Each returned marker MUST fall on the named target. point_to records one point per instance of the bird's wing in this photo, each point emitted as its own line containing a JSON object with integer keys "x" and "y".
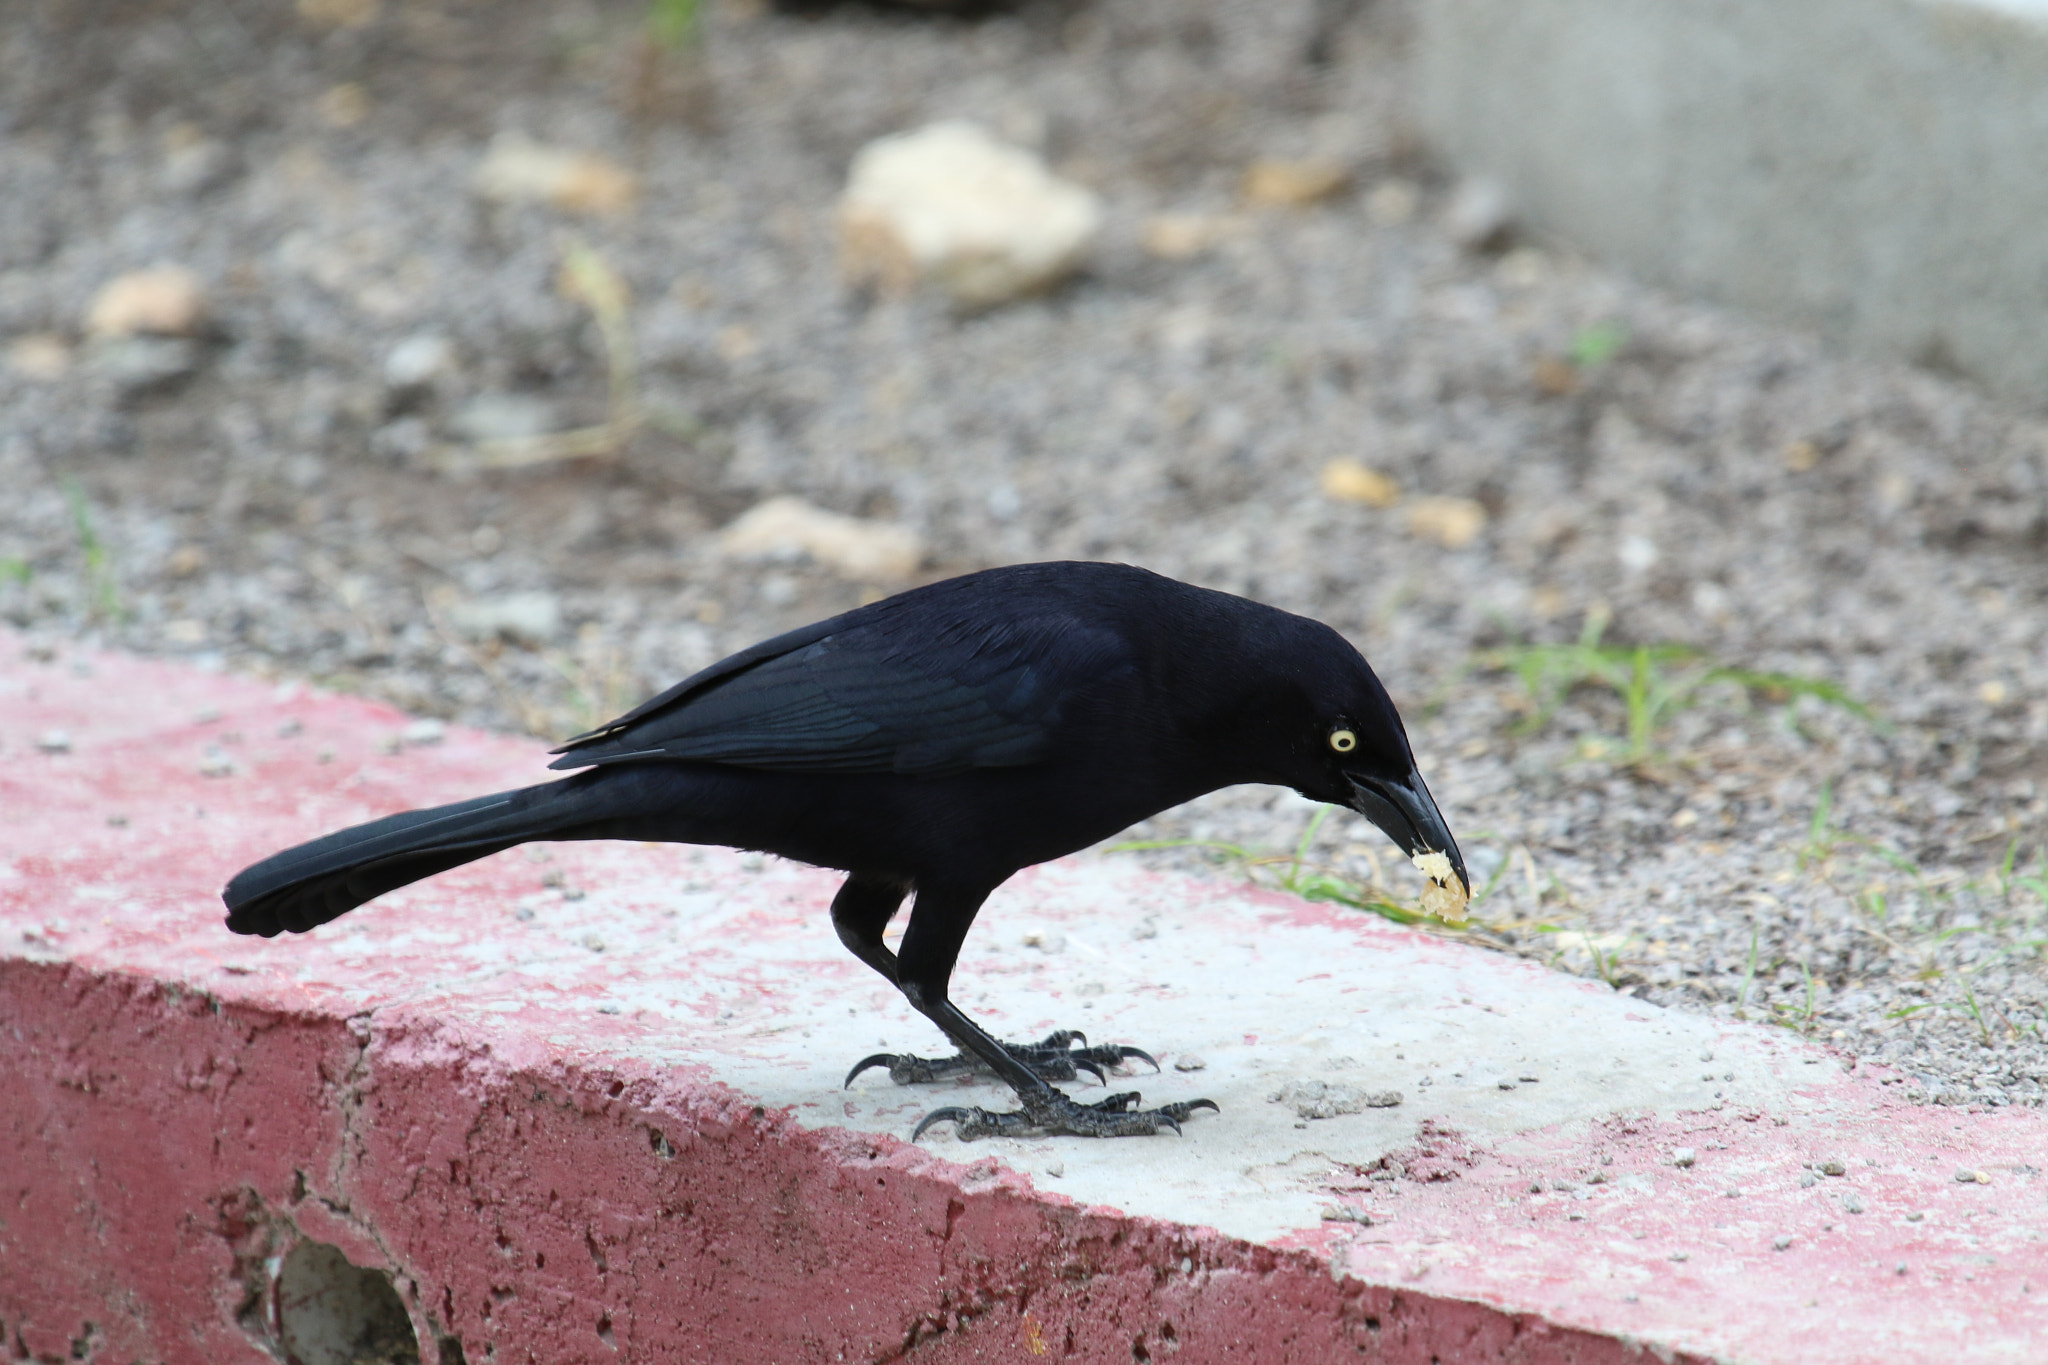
{"x": 891, "y": 692}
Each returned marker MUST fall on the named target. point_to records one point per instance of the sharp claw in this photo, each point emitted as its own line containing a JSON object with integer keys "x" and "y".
{"x": 1171, "y": 1122}
{"x": 865, "y": 1063}
{"x": 1092, "y": 1069}
{"x": 1142, "y": 1055}
{"x": 959, "y": 1118}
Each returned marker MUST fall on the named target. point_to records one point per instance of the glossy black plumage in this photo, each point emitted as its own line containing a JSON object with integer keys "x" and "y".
{"x": 935, "y": 743}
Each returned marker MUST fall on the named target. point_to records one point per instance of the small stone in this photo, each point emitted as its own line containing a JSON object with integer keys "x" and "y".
{"x": 1684, "y": 1156}
{"x": 344, "y": 105}
{"x": 1339, "y": 1213}
{"x": 1681, "y": 1255}
{"x": 214, "y": 763}
{"x": 164, "y": 300}
{"x": 504, "y": 417}
{"x": 428, "y": 731}
{"x": 608, "y": 1009}
{"x": 54, "y": 742}
{"x": 853, "y": 547}
{"x": 593, "y": 943}
{"x": 1834, "y": 1166}
{"x": 1966, "y": 1176}
{"x": 1452, "y": 523}
{"x": 950, "y": 206}
{"x": 1476, "y": 215}
{"x": 531, "y": 618}
{"x": 519, "y": 170}
{"x": 1706, "y": 1054}
{"x": 117, "y": 821}
{"x": 1529, "y": 1080}
{"x": 1045, "y": 940}
{"x": 39, "y": 356}
{"x": 524, "y": 913}
{"x": 418, "y": 361}
{"x": 1055, "y": 1169}
{"x": 339, "y": 13}
{"x": 1504, "y": 1084}
{"x": 193, "y": 163}
{"x": 185, "y": 561}
{"x": 1781, "y": 1242}
{"x": 1392, "y": 202}
{"x": 1276, "y": 183}
{"x": 1807, "y": 1180}
{"x": 139, "y": 364}
{"x": 1350, "y": 481}
{"x": 1313, "y": 1099}
{"x": 1852, "y": 1202}
{"x": 1190, "y": 1062}
{"x": 1899, "y": 1269}
{"x": 1915, "y": 1216}
{"x": 1184, "y": 236}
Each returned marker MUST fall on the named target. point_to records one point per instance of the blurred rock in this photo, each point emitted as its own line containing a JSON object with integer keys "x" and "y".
{"x": 504, "y": 417}
{"x": 850, "y": 546}
{"x": 138, "y": 364}
{"x": 419, "y": 362}
{"x": 1293, "y": 184}
{"x": 1184, "y": 236}
{"x": 339, "y": 13}
{"x": 531, "y": 618}
{"x": 1477, "y": 215}
{"x": 1392, "y": 202}
{"x": 344, "y": 105}
{"x": 193, "y": 163}
{"x": 949, "y": 205}
{"x": 166, "y": 300}
{"x": 518, "y": 169}
{"x": 1452, "y": 523}
{"x": 1350, "y": 481}
{"x": 39, "y": 355}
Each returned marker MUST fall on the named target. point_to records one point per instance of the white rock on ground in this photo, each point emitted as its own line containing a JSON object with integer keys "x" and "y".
{"x": 522, "y": 617}
{"x": 165, "y": 300}
{"x": 518, "y": 169}
{"x": 952, "y": 206}
{"x": 849, "y": 546}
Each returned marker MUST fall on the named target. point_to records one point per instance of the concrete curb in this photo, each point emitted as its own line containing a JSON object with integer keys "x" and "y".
{"x": 588, "y": 1109}
{"x": 1870, "y": 168}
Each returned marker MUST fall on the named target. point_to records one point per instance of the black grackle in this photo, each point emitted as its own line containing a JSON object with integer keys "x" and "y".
{"x": 934, "y": 743}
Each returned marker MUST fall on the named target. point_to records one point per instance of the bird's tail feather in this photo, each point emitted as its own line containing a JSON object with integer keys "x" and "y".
{"x": 329, "y": 876}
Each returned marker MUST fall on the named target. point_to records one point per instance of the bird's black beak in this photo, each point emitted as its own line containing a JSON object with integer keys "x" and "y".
{"x": 1407, "y": 813}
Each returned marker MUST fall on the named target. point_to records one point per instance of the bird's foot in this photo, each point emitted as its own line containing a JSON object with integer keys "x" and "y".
{"x": 1054, "y": 1115}
{"x": 1054, "y": 1058}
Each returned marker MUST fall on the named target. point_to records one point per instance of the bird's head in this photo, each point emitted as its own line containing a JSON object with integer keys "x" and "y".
{"x": 1349, "y": 748}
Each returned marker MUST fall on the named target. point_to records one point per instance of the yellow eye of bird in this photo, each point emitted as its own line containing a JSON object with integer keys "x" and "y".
{"x": 1343, "y": 741}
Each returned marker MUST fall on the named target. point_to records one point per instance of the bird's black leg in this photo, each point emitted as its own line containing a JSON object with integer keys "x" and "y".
{"x": 860, "y": 912}
{"x": 938, "y": 925}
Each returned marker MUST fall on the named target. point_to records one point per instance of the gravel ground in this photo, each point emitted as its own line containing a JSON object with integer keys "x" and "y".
{"x": 262, "y": 499}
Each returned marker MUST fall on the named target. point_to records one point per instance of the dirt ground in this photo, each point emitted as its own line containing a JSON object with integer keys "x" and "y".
{"x": 286, "y": 493}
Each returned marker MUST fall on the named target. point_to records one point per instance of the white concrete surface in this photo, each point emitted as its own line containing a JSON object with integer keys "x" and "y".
{"x": 1876, "y": 169}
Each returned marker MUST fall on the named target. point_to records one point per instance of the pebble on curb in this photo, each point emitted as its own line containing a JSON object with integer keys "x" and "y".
{"x": 949, "y": 205}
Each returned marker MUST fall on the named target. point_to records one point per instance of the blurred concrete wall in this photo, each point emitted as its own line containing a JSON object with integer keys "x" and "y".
{"x": 1875, "y": 168}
